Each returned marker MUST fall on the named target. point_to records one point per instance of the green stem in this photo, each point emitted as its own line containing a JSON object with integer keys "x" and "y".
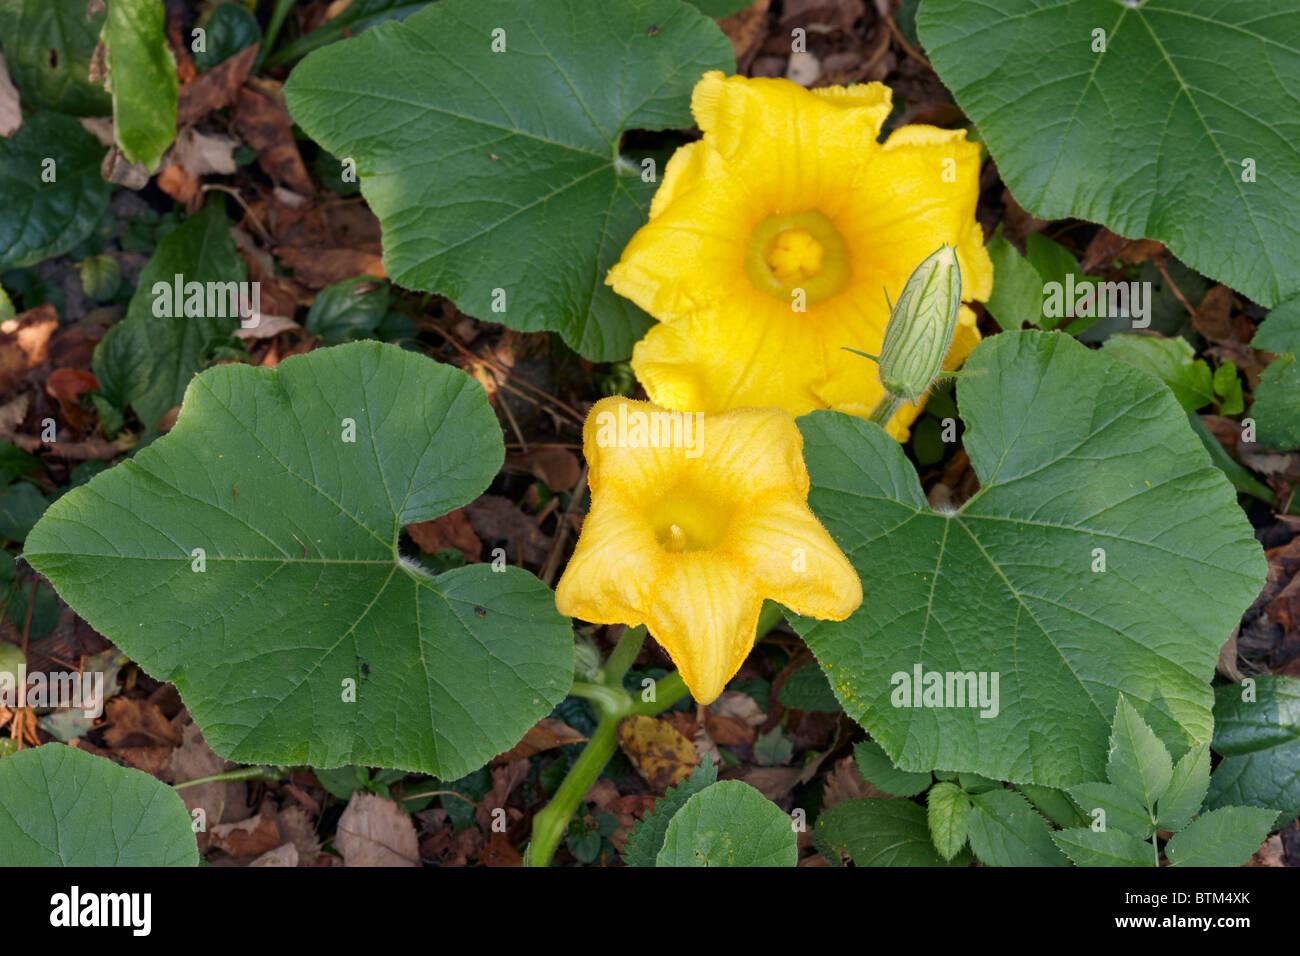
{"x": 603, "y": 697}
{"x": 885, "y": 409}
{"x": 669, "y": 689}
{"x": 273, "y": 25}
{"x": 553, "y": 819}
{"x": 241, "y": 773}
{"x": 612, "y": 703}
{"x": 624, "y": 654}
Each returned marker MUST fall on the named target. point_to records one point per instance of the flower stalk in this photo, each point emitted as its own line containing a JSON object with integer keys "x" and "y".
{"x": 612, "y": 703}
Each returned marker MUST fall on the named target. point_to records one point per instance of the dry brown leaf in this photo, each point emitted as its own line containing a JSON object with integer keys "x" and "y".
{"x": 845, "y": 783}
{"x": 772, "y": 782}
{"x": 66, "y": 386}
{"x": 215, "y": 89}
{"x": 117, "y": 169}
{"x": 284, "y": 855}
{"x": 203, "y": 154}
{"x": 193, "y": 760}
{"x": 268, "y": 327}
{"x": 498, "y": 851}
{"x": 450, "y": 847}
{"x": 252, "y": 837}
{"x": 546, "y": 734}
{"x": 746, "y": 31}
{"x": 265, "y": 125}
{"x": 317, "y": 267}
{"x": 495, "y": 518}
{"x": 1272, "y": 853}
{"x": 558, "y": 468}
{"x": 296, "y": 827}
{"x": 660, "y": 754}
{"x": 176, "y": 181}
{"x": 504, "y": 781}
{"x": 738, "y": 704}
{"x": 25, "y": 341}
{"x": 137, "y": 723}
{"x": 376, "y": 832}
{"x": 451, "y": 530}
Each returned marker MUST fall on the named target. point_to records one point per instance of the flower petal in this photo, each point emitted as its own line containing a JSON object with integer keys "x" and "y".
{"x": 736, "y": 112}
{"x": 795, "y": 560}
{"x": 610, "y": 578}
{"x": 705, "y": 615}
{"x": 624, "y": 454}
{"x": 719, "y": 358}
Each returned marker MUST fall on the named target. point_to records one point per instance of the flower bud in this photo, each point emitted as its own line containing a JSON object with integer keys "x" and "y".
{"x": 921, "y": 325}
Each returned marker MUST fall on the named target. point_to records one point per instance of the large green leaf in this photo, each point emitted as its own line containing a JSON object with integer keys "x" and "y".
{"x": 497, "y": 175}
{"x": 1075, "y": 452}
{"x": 53, "y": 192}
{"x": 1158, "y": 135}
{"x": 47, "y": 46}
{"x": 142, "y": 79}
{"x": 1276, "y": 408}
{"x": 729, "y": 824}
{"x": 146, "y": 360}
{"x": 1260, "y": 743}
{"x": 878, "y": 770}
{"x": 296, "y": 483}
{"x": 65, "y": 807}
{"x": 879, "y": 832}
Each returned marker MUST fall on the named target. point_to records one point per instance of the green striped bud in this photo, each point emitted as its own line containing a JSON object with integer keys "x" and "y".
{"x": 921, "y": 325}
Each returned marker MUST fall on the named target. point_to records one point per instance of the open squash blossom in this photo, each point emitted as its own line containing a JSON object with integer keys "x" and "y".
{"x": 694, "y": 521}
{"x": 773, "y": 241}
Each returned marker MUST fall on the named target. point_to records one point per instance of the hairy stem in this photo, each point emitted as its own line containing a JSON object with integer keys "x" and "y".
{"x": 885, "y": 409}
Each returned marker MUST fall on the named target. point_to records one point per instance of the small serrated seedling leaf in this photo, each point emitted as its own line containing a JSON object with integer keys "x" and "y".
{"x": 1122, "y": 810}
{"x": 1005, "y": 830}
{"x": 1087, "y": 847}
{"x": 1228, "y": 836}
{"x": 1186, "y": 792}
{"x": 948, "y": 811}
{"x": 1138, "y": 763}
{"x": 1056, "y": 805}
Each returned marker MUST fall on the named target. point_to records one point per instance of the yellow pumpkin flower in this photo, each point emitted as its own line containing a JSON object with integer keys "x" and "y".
{"x": 694, "y": 521}
{"x": 789, "y": 202}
